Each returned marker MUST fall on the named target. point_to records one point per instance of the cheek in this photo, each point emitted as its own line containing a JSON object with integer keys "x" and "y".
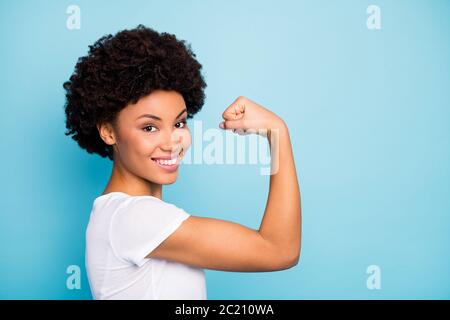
{"x": 144, "y": 145}
{"x": 186, "y": 139}
{"x": 148, "y": 146}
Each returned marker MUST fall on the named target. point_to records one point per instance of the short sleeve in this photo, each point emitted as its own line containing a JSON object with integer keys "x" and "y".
{"x": 141, "y": 226}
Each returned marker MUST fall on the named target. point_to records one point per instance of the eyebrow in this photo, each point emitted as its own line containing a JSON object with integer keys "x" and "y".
{"x": 147, "y": 115}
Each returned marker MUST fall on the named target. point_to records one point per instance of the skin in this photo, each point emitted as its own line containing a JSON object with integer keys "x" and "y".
{"x": 200, "y": 241}
{"x": 135, "y": 143}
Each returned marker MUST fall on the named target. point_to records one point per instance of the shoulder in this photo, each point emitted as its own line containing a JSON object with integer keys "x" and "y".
{"x": 135, "y": 209}
{"x": 146, "y": 203}
{"x": 120, "y": 200}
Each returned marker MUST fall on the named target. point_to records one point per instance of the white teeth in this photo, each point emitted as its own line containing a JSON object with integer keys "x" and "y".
{"x": 166, "y": 162}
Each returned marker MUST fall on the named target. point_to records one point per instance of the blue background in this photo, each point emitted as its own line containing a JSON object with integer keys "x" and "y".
{"x": 368, "y": 112}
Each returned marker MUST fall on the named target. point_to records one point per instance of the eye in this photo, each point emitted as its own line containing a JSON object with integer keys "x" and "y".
{"x": 149, "y": 128}
{"x": 180, "y": 125}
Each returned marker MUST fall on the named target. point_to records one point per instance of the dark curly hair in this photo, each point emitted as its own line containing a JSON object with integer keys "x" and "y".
{"x": 121, "y": 69}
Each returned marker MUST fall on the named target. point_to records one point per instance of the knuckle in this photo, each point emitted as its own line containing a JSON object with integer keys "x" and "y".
{"x": 225, "y": 114}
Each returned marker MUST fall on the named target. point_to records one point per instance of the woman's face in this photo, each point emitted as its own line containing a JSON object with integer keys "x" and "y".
{"x": 152, "y": 135}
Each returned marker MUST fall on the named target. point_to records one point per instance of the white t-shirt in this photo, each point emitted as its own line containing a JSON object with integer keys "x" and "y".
{"x": 122, "y": 231}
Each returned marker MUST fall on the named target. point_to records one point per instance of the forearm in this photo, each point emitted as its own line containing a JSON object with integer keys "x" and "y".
{"x": 281, "y": 223}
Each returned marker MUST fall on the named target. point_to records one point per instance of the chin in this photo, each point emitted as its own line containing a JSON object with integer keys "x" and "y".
{"x": 170, "y": 181}
{"x": 167, "y": 180}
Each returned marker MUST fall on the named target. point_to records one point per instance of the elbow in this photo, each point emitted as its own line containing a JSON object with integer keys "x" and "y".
{"x": 286, "y": 264}
{"x": 296, "y": 260}
{"x": 293, "y": 261}
{"x": 289, "y": 261}
{"x": 294, "y": 257}
{"x": 283, "y": 257}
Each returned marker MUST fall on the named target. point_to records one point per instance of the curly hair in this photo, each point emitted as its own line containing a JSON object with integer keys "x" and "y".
{"x": 121, "y": 69}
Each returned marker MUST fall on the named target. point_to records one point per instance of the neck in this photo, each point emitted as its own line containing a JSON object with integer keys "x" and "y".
{"x": 123, "y": 181}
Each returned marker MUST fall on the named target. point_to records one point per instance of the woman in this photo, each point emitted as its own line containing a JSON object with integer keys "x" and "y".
{"x": 128, "y": 100}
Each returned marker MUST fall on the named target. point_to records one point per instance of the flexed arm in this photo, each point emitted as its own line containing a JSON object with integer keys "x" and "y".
{"x": 223, "y": 245}
{"x": 281, "y": 224}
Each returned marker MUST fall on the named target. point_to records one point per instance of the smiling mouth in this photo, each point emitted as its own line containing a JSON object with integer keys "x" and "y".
{"x": 168, "y": 162}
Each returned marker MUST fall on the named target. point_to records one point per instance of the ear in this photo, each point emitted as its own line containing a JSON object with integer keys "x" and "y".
{"x": 106, "y": 132}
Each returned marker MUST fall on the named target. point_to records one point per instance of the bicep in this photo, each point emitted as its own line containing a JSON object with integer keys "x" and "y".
{"x": 220, "y": 245}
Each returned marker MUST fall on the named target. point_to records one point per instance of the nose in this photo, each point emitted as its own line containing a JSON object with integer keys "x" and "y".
{"x": 172, "y": 142}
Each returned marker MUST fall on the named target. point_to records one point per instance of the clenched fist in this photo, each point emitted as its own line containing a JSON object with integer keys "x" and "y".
{"x": 244, "y": 116}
